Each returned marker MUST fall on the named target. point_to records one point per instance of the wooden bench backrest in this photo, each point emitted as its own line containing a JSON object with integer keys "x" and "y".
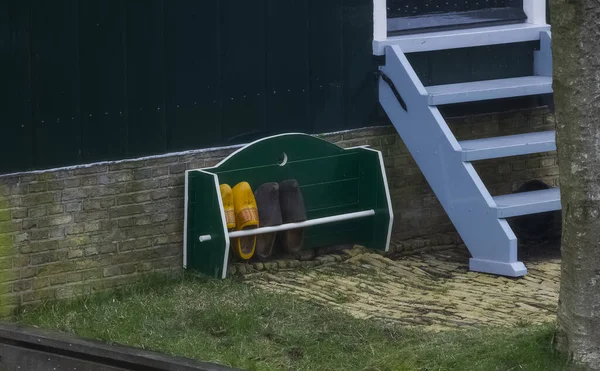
{"x": 333, "y": 181}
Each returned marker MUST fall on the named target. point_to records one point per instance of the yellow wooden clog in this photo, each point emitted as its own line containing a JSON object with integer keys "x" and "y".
{"x": 246, "y": 217}
{"x": 227, "y": 200}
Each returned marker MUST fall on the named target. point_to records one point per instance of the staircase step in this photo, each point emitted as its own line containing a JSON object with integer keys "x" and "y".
{"x": 463, "y": 38}
{"x": 525, "y": 203}
{"x": 489, "y": 89}
{"x": 506, "y": 146}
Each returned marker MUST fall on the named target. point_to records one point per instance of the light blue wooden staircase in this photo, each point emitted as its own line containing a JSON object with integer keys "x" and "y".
{"x": 446, "y": 162}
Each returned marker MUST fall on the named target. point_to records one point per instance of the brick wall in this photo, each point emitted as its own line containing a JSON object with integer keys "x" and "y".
{"x": 75, "y": 230}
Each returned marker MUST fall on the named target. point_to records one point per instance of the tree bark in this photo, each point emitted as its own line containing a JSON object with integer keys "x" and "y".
{"x": 576, "y": 59}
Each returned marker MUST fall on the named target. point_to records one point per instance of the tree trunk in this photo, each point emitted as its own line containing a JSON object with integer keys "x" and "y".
{"x": 576, "y": 54}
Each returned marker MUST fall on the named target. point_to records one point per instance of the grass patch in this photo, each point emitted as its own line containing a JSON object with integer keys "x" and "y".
{"x": 231, "y": 323}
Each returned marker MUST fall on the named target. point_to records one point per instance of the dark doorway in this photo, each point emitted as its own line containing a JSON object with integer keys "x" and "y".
{"x": 410, "y": 16}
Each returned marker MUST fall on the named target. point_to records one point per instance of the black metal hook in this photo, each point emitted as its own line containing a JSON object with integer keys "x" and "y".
{"x": 389, "y": 81}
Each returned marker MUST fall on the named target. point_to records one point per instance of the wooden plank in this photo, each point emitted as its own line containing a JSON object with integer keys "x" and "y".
{"x": 375, "y": 193}
{"x": 55, "y": 93}
{"x": 449, "y": 66}
{"x": 489, "y": 89}
{"x": 254, "y": 156}
{"x": 192, "y": 71}
{"x": 242, "y": 43}
{"x": 537, "y": 11}
{"x": 510, "y": 145}
{"x": 102, "y": 66}
{"x": 360, "y": 83}
{"x": 287, "y": 67}
{"x": 145, "y": 77}
{"x": 501, "y": 61}
{"x": 334, "y": 193}
{"x": 326, "y": 65}
{"x": 464, "y": 38}
{"x": 15, "y": 105}
{"x": 484, "y": 63}
{"x": 320, "y": 185}
{"x": 422, "y": 66}
{"x": 205, "y": 217}
{"x": 473, "y": 64}
{"x": 26, "y": 348}
{"x": 34, "y": 360}
{"x": 332, "y": 210}
{"x": 526, "y": 203}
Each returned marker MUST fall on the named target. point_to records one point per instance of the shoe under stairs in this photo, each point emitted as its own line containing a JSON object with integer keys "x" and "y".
{"x": 446, "y": 162}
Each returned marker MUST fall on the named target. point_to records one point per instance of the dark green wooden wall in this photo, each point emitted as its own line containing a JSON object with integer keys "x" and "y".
{"x": 93, "y": 80}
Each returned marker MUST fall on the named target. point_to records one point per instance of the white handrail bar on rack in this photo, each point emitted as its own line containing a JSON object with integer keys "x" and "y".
{"x": 289, "y": 226}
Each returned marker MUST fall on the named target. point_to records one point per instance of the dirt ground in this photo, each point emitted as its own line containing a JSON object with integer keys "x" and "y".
{"x": 433, "y": 290}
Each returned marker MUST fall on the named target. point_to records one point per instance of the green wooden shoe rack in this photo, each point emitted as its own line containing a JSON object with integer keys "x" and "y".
{"x": 345, "y": 193}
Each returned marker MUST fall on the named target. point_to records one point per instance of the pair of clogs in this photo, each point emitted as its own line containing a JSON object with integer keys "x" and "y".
{"x": 271, "y": 204}
{"x": 240, "y": 213}
{"x": 280, "y": 203}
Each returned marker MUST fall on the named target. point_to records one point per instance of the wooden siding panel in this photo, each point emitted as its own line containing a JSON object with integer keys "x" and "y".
{"x": 145, "y": 78}
{"x": 15, "y": 94}
{"x": 55, "y": 82}
{"x": 192, "y": 69}
{"x": 102, "y": 66}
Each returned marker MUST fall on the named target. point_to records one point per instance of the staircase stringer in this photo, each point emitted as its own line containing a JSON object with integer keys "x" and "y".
{"x": 457, "y": 185}
{"x": 542, "y": 59}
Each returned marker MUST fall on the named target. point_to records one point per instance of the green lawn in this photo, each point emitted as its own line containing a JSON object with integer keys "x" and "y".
{"x": 231, "y": 323}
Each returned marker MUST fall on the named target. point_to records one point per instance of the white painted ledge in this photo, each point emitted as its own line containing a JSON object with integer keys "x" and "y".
{"x": 463, "y": 38}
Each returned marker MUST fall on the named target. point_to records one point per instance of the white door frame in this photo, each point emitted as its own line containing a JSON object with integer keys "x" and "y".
{"x": 534, "y": 9}
{"x": 379, "y": 20}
